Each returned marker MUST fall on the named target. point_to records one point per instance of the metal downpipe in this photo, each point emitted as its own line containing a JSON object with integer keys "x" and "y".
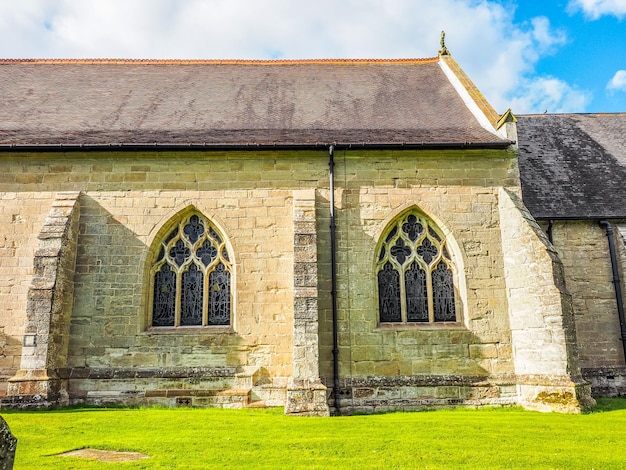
{"x": 333, "y": 279}
{"x": 549, "y": 231}
{"x": 616, "y": 282}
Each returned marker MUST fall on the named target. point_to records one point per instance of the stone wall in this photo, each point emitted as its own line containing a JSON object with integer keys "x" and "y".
{"x": 584, "y": 250}
{"x": 49, "y": 307}
{"x": 265, "y": 204}
{"x": 543, "y": 333}
{"x": 409, "y": 366}
{"x": 127, "y": 201}
{"x": 22, "y": 215}
{"x": 306, "y": 395}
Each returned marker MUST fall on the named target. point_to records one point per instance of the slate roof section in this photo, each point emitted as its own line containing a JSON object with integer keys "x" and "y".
{"x": 104, "y": 102}
{"x": 573, "y": 166}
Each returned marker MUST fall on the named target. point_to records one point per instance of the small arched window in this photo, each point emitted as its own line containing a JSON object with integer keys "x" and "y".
{"x": 414, "y": 273}
{"x": 192, "y": 276}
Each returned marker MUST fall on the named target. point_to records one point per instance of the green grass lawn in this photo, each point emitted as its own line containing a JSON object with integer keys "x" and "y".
{"x": 266, "y": 439}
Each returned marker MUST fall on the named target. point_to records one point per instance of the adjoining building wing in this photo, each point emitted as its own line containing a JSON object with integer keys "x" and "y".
{"x": 573, "y": 166}
{"x": 573, "y": 174}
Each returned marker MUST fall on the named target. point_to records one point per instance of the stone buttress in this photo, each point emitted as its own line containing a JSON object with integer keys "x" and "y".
{"x": 48, "y": 312}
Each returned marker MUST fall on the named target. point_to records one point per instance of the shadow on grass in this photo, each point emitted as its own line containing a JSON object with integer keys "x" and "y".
{"x": 609, "y": 404}
{"x": 79, "y": 408}
{"x": 602, "y": 405}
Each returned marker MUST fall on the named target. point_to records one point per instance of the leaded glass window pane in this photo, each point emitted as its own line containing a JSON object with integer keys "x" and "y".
{"x": 433, "y": 234}
{"x": 191, "y": 297}
{"x": 219, "y": 296}
{"x": 391, "y": 235}
{"x": 192, "y": 273}
{"x": 415, "y": 273}
{"x": 389, "y": 294}
{"x": 400, "y": 251}
{"x": 443, "y": 293}
{"x": 412, "y": 228}
{"x": 416, "y": 295}
{"x": 194, "y": 229}
{"x": 180, "y": 253}
{"x": 161, "y": 254}
{"x": 164, "y": 297}
{"x": 381, "y": 256}
{"x": 171, "y": 236}
{"x": 214, "y": 235}
{"x": 207, "y": 253}
{"x": 427, "y": 251}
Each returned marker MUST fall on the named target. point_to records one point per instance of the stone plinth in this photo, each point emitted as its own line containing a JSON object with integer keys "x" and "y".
{"x": 306, "y": 398}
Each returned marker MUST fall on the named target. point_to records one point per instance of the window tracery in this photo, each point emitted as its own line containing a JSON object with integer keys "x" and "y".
{"x": 192, "y": 277}
{"x": 415, "y": 273}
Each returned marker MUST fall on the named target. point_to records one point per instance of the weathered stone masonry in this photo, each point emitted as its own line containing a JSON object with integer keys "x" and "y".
{"x": 305, "y": 392}
{"x": 583, "y": 248}
{"x": 543, "y": 333}
{"x": 49, "y": 308}
{"x": 277, "y": 351}
{"x": 176, "y": 250}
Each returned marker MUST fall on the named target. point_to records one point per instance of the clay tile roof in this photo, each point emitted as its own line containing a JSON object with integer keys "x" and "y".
{"x": 105, "y": 101}
{"x": 573, "y": 165}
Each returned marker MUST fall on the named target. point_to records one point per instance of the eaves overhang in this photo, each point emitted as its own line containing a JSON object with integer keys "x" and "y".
{"x": 132, "y": 147}
{"x": 581, "y": 218}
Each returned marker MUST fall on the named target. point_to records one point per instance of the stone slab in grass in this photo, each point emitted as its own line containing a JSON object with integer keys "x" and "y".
{"x": 105, "y": 455}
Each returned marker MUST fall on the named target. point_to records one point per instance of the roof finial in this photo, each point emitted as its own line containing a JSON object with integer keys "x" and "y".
{"x": 444, "y": 49}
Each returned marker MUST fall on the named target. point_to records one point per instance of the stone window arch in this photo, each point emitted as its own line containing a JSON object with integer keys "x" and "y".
{"x": 191, "y": 276}
{"x": 415, "y": 273}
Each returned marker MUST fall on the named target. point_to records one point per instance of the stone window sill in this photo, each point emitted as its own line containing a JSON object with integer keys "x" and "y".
{"x": 189, "y": 330}
{"x": 422, "y": 326}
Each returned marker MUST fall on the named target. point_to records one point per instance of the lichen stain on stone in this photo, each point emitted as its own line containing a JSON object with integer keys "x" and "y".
{"x": 562, "y": 398}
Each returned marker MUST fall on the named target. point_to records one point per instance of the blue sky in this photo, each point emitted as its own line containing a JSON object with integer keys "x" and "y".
{"x": 592, "y": 52}
{"x": 528, "y": 55}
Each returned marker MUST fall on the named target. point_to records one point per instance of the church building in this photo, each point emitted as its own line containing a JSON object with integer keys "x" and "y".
{"x": 330, "y": 236}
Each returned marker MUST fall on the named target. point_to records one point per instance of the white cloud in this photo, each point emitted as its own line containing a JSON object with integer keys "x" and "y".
{"x": 618, "y": 82}
{"x": 544, "y": 36}
{"x": 549, "y": 94}
{"x": 594, "y": 9}
{"x": 497, "y": 53}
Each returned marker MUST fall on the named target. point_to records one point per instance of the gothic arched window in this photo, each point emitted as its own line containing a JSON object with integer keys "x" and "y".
{"x": 192, "y": 276}
{"x": 414, "y": 273}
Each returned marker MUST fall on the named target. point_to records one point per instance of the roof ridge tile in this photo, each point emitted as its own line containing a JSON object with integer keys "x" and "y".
{"x": 216, "y": 61}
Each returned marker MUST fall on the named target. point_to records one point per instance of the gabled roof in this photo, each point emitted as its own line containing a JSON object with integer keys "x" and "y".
{"x": 122, "y": 102}
{"x": 573, "y": 165}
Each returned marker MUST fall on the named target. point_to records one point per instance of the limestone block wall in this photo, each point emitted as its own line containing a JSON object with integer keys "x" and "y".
{"x": 620, "y": 246}
{"x": 584, "y": 250}
{"x": 306, "y": 395}
{"x": 127, "y": 202}
{"x": 22, "y": 214}
{"x": 545, "y": 349}
{"x": 258, "y": 201}
{"x": 49, "y": 308}
{"x": 412, "y": 365}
